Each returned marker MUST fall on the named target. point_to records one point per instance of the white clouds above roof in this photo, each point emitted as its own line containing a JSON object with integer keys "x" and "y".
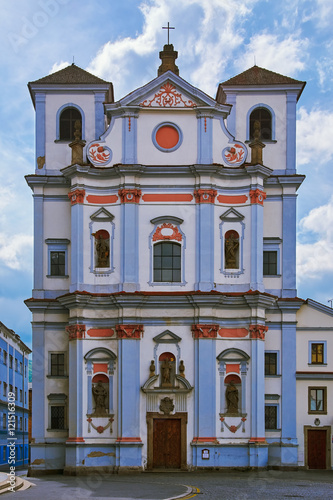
{"x": 314, "y": 136}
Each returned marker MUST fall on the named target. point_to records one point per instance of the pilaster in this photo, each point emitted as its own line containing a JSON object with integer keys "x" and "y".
{"x": 129, "y": 138}
{"x": 130, "y": 239}
{"x": 257, "y": 197}
{"x": 40, "y": 99}
{"x": 76, "y": 198}
{"x": 257, "y": 335}
{"x": 205, "y": 239}
{"x": 205, "y": 138}
{"x": 291, "y": 133}
{"x": 76, "y": 334}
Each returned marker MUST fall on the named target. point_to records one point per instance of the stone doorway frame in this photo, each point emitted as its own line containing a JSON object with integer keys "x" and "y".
{"x": 182, "y": 416}
{"x": 326, "y": 428}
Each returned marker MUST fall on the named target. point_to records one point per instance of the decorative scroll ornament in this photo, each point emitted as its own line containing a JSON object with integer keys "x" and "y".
{"x": 167, "y": 231}
{"x": 77, "y": 196}
{"x": 205, "y": 195}
{"x": 258, "y": 331}
{"x": 257, "y": 196}
{"x": 232, "y": 428}
{"x": 235, "y": 154}
{"x": 129, "y": 195}
{"x": 168, "y": 97}
{"x": 99, "y": 154}
{"x": 76, "y": 332}
{"x": 100, "y": 429}
{"x": 129, "y": 331}
{"x": 205, "y": 331}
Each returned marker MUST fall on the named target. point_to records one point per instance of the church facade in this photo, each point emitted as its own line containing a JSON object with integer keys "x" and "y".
{"x": 164, "y": 302}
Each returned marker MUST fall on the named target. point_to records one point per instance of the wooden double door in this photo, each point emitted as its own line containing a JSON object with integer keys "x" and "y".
{"x": 167, "y": 441}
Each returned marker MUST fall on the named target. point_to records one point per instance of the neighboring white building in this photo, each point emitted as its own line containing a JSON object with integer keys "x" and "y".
{"x": 164, "y": 302}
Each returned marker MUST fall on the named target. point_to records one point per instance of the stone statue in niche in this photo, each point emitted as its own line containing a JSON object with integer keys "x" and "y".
{"x": 167, "y": 406}
{"x": 231, "y": 251}
{"x": 232, "y": 397}
{"x": 152, "y": 368}
{"x": 102, "y": 252}
{"x": 181, "y": 368}
{"x": 100, "y": 395}
{"x": 166, "y": 373}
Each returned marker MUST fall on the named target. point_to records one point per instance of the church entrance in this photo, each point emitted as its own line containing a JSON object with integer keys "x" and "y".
{"x": 316, "y": 454}
{"x": 166, "y": 447}
{"x": 167, "y": 441}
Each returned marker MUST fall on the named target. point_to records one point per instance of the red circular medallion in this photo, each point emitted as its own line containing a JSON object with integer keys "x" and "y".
{"x": 167, "y": 137}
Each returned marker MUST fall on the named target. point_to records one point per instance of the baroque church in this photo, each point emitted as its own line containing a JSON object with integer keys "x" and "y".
{"x": 164, "y": 303}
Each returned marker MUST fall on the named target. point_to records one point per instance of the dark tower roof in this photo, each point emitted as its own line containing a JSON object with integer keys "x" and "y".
{"x": 70, "y": 75}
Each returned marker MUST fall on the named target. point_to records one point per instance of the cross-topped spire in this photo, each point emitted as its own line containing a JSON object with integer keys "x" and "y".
{"x": 168, "y": 28}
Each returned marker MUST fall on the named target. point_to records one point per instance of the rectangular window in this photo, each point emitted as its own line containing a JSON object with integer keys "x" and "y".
{"x": 21, "y": 367}
{"x": 16, "y": 394}
{"x": 317, "y": 353}
{"x": 4, "y": 421}
{"x": 270, "y": 363}
{"x": 10, "y": 388}
{"x": 16, "y": 365}
{"x": 21, "y": 396}
{"x": 10, "y": 361}
{"x": 317, "y": 400}
{"x": 4, "y": 454}
{"x": 57, "y": 364}
{"x": 5, "y": 389}
{"x": 270, "y": 417}
{"x": 167, "y": 262}
{"x": 21, "y": 423}
{"x": 57, "y": 263}
{"x": 270, "y": 263}
{"x": 4, "y": 357}
{"x": 57, "y": 417}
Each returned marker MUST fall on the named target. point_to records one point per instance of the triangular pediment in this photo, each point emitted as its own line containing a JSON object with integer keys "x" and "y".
{"x": 168, "y": 91}
{"x": 102, "y": 215}
{"x": 232, "y": 215}
{"x": 167, "y": 337}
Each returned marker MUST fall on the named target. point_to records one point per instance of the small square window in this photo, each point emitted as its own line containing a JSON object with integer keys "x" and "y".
{"x": 270, "y": 363}
{"x": 57, "y": 417}
{"x": 317, "y": 400}
{"x": 270, "y": 417}
{"x": 270, "y": 263}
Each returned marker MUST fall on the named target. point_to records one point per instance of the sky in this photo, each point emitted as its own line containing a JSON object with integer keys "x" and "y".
{"x": 119, "y": 41}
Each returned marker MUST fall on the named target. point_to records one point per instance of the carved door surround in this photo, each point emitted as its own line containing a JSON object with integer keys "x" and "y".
{"x": 161, "y": 430}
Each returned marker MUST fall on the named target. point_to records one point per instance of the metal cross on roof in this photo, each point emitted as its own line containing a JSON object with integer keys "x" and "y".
{"x": 168, "y": 28}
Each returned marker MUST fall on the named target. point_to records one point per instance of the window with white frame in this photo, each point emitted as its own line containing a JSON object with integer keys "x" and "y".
{"x": 272, "y": 256}
{"x": 271, "y": 416}
{"x": 57, "y": 367}
{"x": 57, "y": 258}
{"x": 272, "y": 363}
{"x": 167, "y": 252}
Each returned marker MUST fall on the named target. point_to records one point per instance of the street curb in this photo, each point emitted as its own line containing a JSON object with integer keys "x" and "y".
{"x": 191, "y": 490}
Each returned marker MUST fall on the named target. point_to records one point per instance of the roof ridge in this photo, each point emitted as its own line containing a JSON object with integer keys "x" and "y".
{"x": 72, "y": 74}
{"x": 257, "y": 75}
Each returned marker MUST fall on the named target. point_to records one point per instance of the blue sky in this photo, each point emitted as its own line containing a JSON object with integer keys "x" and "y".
{"x": 120, "y": 42}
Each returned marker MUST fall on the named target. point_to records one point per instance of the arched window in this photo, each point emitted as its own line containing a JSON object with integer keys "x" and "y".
{"x": 67, "y": 120}
{"x": 102, "y": 249}
{"x": 167, "y": 262}
{"x": 264, "y": 117}
{"x": 231, "y": 249}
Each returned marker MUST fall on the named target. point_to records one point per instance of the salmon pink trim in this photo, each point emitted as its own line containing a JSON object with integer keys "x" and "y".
{"x": 233, "y": 332}
{"x": 76, "y": 332}
{"x": 129, "y": 440}
{"x": 174, "y": 197}
{"x": 100, "y": 367}
{"x": 258, "y": 331}
{"x": 129, "y": 195}
{"x": 174, "y": 236}
{"x": 242, "y": 198}
{"x": 94, "y": 198}
{"x": 129, "y": 331}
{"x": 75, "y": 440}
{"x": 257, "y": 440}
{"x": 100, "y": 332}
{"x": 232, "y": 367}
{"x": 205, "y": 440}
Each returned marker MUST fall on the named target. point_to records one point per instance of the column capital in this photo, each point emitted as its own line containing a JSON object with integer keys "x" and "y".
{"x": 205, "y": 195}
{"x": 200, "y": 331}
{"x": 76, "y": 332}
{"x": 257, "y": 196}
{"x": 77, "y": 196}
{"x": 129, "y": 331}
{"x": 257, "y": 332}
{"x": 129, "y": 195}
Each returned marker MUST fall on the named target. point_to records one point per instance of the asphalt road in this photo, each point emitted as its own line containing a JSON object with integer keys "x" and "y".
{"x": 231, "y": 485}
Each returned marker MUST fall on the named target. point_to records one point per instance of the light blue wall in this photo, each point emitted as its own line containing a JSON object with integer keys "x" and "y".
{"x": 130, "y": 247}
{"x": 77, "y": 247}
{"x": 291, "y": 133}
{"x": 40, "y": 124}
{"x": 205, "y": 139}
{"x": 288, "y": 384}
{"x": 289, "y": 246}
{"x": 205, "y": 246}
{"x": 258, "y": 388}
{"x": 205, "y": 388}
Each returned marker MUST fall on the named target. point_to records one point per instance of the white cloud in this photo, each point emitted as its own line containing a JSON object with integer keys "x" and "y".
{"x": 282, "y": 55}
{"x": 314, "y": 136}
{"x": 210, "y": 42}
{"x": 317, "y": 257}
{"x": 58, "y": 66}
{"x": 14, "y": 249}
